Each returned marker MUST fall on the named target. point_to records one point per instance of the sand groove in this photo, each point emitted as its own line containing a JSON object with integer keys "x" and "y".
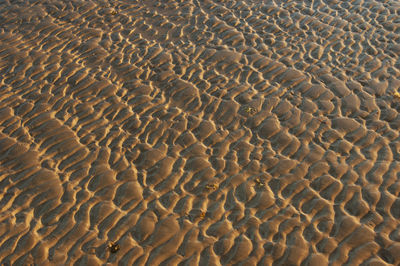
{"x": 199, "y": 132}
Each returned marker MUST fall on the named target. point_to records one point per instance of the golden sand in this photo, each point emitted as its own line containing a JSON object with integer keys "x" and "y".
{"x": 199, "y": 132}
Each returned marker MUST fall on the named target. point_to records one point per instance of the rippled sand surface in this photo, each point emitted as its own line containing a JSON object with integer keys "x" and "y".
{"x": 199, "y": 132}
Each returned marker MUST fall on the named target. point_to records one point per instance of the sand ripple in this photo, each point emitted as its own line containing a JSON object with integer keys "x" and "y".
{"x": 199, "y": 132}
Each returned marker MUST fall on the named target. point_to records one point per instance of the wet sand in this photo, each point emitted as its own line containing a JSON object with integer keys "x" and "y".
{"x": 199, "y": 132}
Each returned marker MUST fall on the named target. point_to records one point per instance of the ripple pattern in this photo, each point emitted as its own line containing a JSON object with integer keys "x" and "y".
{"x": 190, "y": 132}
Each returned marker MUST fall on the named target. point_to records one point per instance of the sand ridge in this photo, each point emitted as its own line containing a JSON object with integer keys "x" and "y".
{"x": 199, "y": 132}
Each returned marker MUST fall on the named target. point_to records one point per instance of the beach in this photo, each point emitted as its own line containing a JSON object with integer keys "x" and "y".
{"x": 199, "y": 132}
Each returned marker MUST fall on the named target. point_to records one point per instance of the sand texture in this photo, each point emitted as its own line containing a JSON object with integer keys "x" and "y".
{"x": 199, "y": 132}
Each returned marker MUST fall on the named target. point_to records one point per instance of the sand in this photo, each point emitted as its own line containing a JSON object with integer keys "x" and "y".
{"x": 199, "y": 132}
